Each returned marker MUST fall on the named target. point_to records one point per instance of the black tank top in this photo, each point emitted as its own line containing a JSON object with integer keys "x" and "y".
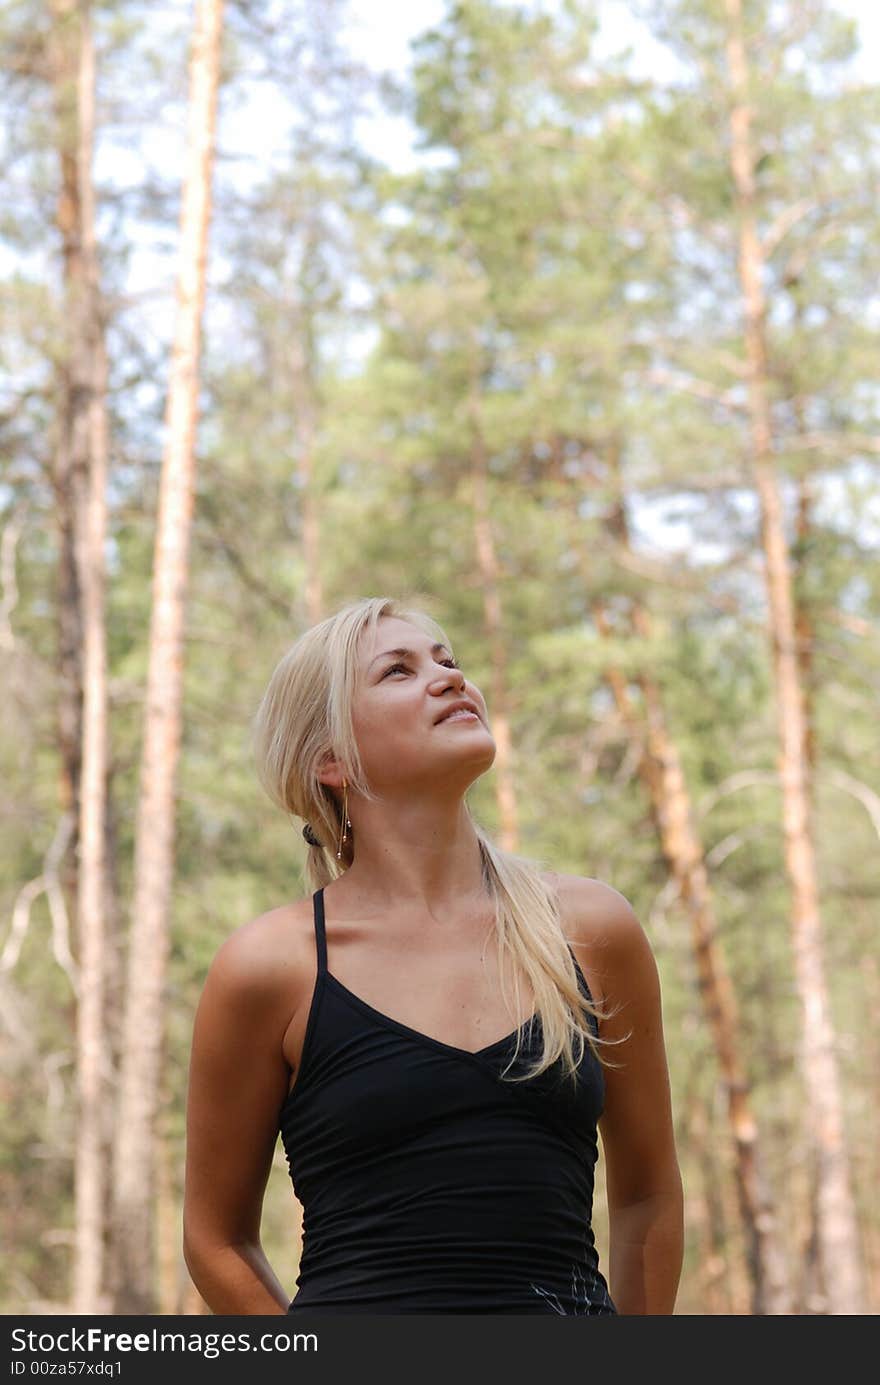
{"x": 429, "y": 1184}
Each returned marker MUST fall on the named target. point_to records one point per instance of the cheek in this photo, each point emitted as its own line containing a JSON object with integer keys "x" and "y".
{"x": 385, "y": 716}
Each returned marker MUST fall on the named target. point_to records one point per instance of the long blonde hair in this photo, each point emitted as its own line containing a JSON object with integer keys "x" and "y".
{"x": 305, "y": 716}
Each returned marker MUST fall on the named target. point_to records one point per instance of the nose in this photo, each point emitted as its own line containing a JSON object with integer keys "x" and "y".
{"x": 456, "y": 678}
{"x": 452, "y": 678}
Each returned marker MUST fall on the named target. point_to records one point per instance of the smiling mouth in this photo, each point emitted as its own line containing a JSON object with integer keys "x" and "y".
{"x": 458, "y": 716}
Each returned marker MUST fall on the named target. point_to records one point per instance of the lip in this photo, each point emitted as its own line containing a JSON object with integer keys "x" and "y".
{"x": 462, "y": 705}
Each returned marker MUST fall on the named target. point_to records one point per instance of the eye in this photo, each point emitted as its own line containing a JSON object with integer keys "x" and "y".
{"x": 447, "y": 663}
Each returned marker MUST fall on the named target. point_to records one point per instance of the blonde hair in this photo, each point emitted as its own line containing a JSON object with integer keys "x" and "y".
{"x": 304, "y": 717}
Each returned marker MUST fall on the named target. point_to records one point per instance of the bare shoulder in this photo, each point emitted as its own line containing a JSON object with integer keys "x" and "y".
{"x": 604, "y": 930}
{"x": 267, "y": 958}
{"x": 592, "y": 911}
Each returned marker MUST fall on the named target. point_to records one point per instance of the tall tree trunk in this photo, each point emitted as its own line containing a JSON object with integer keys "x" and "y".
{"x": 487, "y": 564}
{"x": 94, "y": 1059}
{"x": 70, "y": 461}
{"x": 837, "y": 1230}
{"x": 662, "y": 773}
{"x": 134, "y": 1230}
{"x": 86, "y": 429}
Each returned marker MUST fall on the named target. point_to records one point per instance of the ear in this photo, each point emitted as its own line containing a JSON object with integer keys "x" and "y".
{"x": 330, "y": 773}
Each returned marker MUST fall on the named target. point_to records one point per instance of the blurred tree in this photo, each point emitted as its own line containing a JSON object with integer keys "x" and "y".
{"x": 82, "y": 507}
{"x": 769, "y": 196}
{"x": 134, "y": 1169}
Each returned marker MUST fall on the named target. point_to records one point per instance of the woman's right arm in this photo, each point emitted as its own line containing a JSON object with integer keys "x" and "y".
{"x": 238, "y": 1079}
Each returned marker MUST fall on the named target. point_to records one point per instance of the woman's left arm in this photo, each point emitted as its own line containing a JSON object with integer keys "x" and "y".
{"x": 642, "y": 1175}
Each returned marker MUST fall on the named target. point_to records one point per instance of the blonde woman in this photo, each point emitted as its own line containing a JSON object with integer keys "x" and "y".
{"x": 424, "y": 1028}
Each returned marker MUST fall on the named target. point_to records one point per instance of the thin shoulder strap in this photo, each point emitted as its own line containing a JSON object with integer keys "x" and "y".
{"x": 592, "y": 1019}
{"x": 320, "y": 932}
{"x": 580, "y": 975}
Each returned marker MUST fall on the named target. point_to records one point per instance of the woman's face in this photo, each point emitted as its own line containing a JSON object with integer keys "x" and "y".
{"x": 398, "y": 704}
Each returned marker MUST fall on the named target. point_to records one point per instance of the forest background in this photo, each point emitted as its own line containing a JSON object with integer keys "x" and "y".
{"x": 575, "y": 344}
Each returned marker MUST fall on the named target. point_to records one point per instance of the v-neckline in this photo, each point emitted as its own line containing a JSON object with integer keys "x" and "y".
{"x": 417, "y": 1033}
{"x": 379, "y": 1015}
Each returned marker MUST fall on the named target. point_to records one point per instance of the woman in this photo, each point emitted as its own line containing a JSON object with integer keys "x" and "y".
{"x": 441, "y": 1138}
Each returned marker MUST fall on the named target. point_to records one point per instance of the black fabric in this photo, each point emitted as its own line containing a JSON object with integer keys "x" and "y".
{"x": 429, "y": 1184}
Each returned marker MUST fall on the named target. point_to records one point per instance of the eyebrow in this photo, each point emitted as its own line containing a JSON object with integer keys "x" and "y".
{"x": 409, "y": 653}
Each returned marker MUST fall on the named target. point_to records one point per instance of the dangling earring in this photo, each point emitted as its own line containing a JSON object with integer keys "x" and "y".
{"x": 345, "y": 822}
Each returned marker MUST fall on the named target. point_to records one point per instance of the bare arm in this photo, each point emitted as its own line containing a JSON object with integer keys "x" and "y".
{"x": 238, "y": 1080}
{"x": 643, "y": 1179}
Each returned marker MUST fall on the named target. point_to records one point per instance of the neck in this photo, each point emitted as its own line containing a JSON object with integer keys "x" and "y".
{"x": 424, "y": 859}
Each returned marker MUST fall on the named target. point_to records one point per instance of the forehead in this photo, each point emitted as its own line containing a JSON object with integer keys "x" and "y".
{"x": 392, "y": 631}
